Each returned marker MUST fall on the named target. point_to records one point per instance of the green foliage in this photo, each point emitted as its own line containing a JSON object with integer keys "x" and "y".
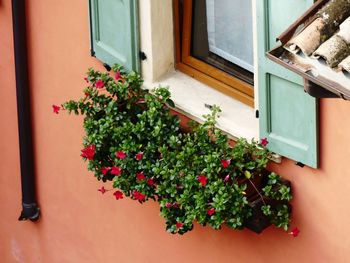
{"x": 277, "y": 189}
{"x": 195, "y": 176}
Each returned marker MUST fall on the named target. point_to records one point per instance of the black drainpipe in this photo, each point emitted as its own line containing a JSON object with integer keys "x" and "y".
{"x": 30, "y": 209}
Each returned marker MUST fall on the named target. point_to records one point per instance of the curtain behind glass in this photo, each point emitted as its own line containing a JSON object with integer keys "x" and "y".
{"x": 230, "y": 31}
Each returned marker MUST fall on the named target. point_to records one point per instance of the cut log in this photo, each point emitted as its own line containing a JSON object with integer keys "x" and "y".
{"x": 337, "y": 48}
{"x": 308, "y": 40}
{"x": 345, "y": 64}
{"x": 324, "y": 25}
{"x": 333, "y": 14}
{"x": 344, "y": 30}
{"x": 333, "y": 51}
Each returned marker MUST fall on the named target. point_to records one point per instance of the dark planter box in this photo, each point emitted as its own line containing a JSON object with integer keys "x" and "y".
{"x": 258, "y": 221}
{"x": 258, "y": 183}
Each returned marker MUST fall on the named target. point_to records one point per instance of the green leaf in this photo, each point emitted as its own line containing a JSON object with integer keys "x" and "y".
{"x": 170, "y": 103}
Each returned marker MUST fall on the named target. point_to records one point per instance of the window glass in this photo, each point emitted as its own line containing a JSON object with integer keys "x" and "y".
{"x": 230, "y": 31}
{"x": 222, "y": 36}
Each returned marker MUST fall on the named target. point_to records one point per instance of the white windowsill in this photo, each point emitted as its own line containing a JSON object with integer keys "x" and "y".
{"x": 190, "y": 96}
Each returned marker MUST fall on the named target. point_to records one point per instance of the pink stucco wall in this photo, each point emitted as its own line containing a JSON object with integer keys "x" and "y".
{"x": 80, "y": 225}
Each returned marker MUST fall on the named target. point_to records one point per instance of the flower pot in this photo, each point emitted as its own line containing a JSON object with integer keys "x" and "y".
{"x": 253, "y": 185}
{"x": 259, "y": 221}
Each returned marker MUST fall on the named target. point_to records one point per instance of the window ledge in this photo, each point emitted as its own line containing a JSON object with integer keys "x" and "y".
{"x": 191, "y": 96}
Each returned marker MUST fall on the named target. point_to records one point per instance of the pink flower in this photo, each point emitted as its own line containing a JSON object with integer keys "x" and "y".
{"x": 179, "y": 225}
{"x": 139, "y": 196}
{"x": 151, "y": 182}
{"x": 227, "y": 177}
{"x": 211, "y": 211}
{"x": 102, "y": 190}
{"x": 140, "y": 176}
{"x": 118, "y": 76}
{"x": 140, "y": 101}
{"x": 116, "y": 170}
{"x": 202, "y": 179}
{"x": 168, "y": 205}
{"x": 118, "y": 195}
{"x": 86, "y": 79}
{"x": 139, "y": 156}
{"x": 99, "y": 84}
{"x": 264, "y": 142}
{"x": 104, "y": 170}
{"x": 120, "y": 155}
{"x": 295, "y": 232}
{"x": 56, "y": 109}
{"x": 225, "y": 163}
{"x": 88, "y": 152}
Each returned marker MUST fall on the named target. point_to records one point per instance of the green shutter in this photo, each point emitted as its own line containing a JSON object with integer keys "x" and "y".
{"x": 114, "y": 32}
{"x": 288, "y": 116}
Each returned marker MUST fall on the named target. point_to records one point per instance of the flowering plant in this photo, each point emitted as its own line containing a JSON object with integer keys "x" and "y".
{"x": 134, "y": 142}
{"x": 206, "y": 180}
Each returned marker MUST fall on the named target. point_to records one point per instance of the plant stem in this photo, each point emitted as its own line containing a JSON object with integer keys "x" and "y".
{"x": 262, "y": 198}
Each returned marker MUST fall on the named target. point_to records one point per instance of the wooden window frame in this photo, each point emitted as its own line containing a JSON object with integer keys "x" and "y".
{"x": 200, "y": 70}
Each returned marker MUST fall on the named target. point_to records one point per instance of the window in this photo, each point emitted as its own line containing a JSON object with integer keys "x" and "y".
{"x": 215, "y": 44}
{"x": 287, "y": 116}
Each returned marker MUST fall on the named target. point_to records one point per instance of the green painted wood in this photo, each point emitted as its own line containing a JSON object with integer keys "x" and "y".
{"x": 114, "y": 32}
{"x": 288, "y": 116}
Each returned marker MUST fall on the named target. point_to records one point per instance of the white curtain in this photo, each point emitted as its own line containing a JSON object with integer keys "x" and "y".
{"x": 230, "y": 31}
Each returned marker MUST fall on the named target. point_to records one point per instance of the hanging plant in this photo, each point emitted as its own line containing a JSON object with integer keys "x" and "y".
{"x": 136, "y": 146}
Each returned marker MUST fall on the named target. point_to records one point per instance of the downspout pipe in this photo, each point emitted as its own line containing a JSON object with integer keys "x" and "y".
{"x": 30, "y": 208}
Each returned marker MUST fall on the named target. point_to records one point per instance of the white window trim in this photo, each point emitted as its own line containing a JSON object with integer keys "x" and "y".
{"x": 189, "y": 95}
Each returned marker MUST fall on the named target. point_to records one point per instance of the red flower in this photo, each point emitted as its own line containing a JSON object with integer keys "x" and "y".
{"x": 140, "y": 176}
{"x": 56, "y": 109}
{"x": 225, "y": 163}
{"x": 102, "y": 190}
{"x": 168, "y": 205}
{"x": 295, "y": 232}
{"x": 120, "y": 155}
{"x": 88, "y": 152}
{"x": 99, "y": 84}
{"x": 179, "y": 225}
{"x": 264, "y": 142}
{"x": 202, "y": 179}
{"x": 116, "y": 170}
{"x": 104, "y": 170}
{"x": 139, "y": 156}
{"x": 211, "y": 211}
{"x": 118, "y": 76}
{"x": 175, "y": 205}
{"x": 86, "y": 79}
{"x": 118, "y": 195}
{"x": 87, "y": 94}
{"x": 139, "y": 196}
{"x": 227, "y": 177}
{"x": 151, "y": 182}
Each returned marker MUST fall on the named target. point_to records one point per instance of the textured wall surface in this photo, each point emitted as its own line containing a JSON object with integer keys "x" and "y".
{"x": 78, "y": 224}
